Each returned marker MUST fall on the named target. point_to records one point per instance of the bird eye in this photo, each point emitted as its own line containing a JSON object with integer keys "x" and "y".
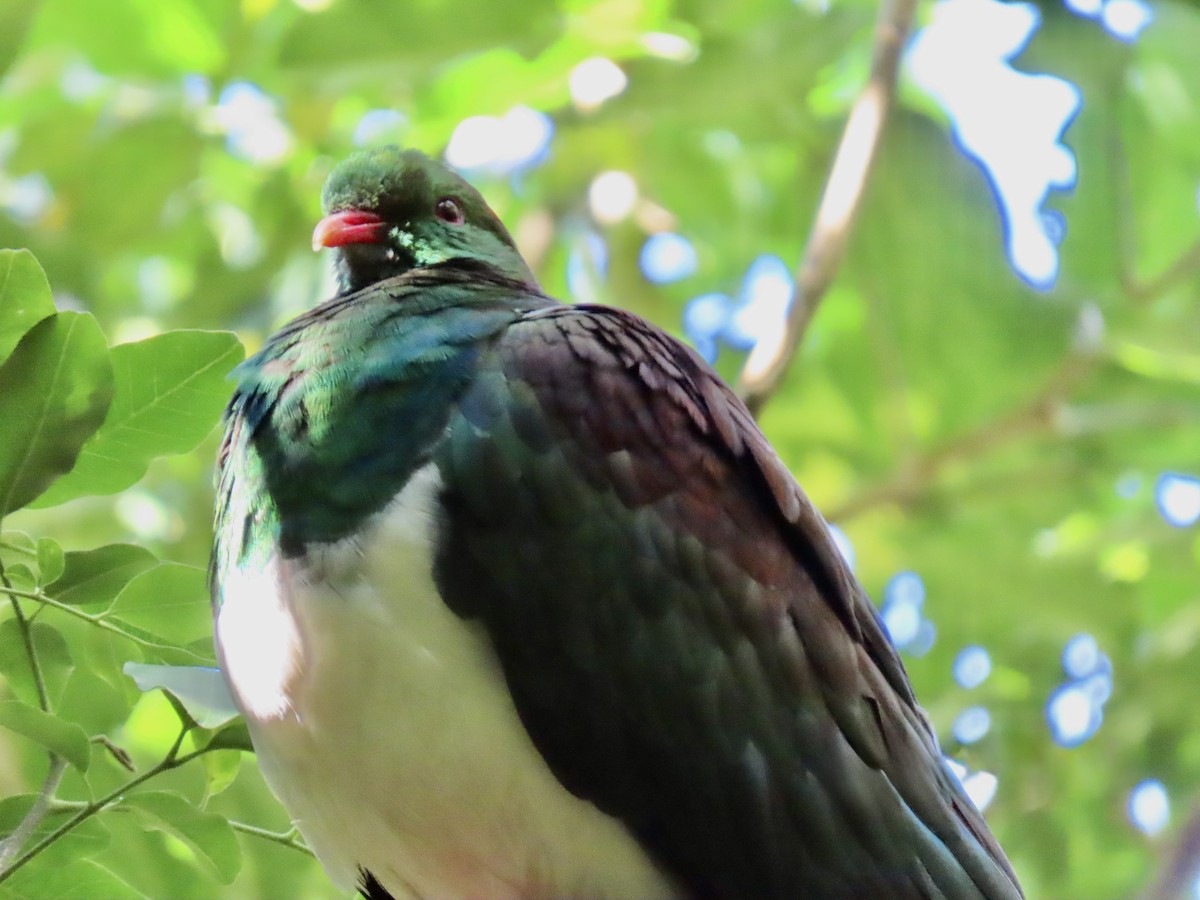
{"x": 448, "y": 210}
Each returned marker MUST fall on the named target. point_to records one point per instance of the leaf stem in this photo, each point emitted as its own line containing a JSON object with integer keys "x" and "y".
{"x": 286, "y": 838}
{"x": 99, "y": 620}
{"x": 11, "y": 845}
{"x": 35, "y": 667}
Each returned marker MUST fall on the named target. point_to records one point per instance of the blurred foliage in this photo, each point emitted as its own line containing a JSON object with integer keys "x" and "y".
{"x": 951, "y": 420}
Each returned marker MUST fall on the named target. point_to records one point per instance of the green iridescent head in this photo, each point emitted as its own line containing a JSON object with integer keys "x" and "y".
{"x": 389, "y": 210}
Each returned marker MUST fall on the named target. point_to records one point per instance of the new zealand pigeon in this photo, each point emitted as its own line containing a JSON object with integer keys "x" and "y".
{"x": 518, "y": 602}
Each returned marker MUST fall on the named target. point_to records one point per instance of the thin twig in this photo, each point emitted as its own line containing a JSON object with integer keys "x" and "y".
{"x": 844, "y": 188}
{"x": 35, "y": 667}
{"x": 1185, "y": 266}
{"x": 286, "y": 839}
{"x": 120, "y": 754}
{"x": 911, "y": 480}
{"x": 1179, "y": 874}
{"x": 11, "y": 845}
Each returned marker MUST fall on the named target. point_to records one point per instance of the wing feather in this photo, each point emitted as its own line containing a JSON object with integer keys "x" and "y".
{"x": 682, "y": 638}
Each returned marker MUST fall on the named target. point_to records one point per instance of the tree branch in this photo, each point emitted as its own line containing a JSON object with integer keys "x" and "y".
{"x": 1043, "y": 410}
{"x": 769, "y": 360}
{"x": 1185, "y": 266}
{"x": 1182, "y": 867}
{"x": 12, "y": 844}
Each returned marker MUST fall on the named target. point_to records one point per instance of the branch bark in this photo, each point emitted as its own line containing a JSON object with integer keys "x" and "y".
{"x": 1182, "y": 866}
{"x": 913, "y": 479}
{"x": 769, "y": 360}
{"x": 1185, "y": 266}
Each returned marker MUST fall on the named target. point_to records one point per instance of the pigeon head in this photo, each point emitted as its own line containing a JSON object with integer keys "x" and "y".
{"x": 388, "y": 211}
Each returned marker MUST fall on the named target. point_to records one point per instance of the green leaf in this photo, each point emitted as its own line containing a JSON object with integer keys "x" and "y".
{"x": 209, "y": 834}
{"x": 97, "y": 576}
{"x": 20, "y": 576}
{"x": 170, "y": 391}
{"x": 186, "y": 720}
{"x": 25, "y": 297}
{"x": 92, "y": 701}
{"x": 53, "y": 656}
{"x": 161, "y": 649}
{"x": 15, "y": 16}
{"x": 57, "y": 735}
{"x": 79, "y": 879}
{"x": 234, "y": 736}
{"x": 17, "y": 549}
{"x": 20, "y": 542}
{"x": 50, "y": 560}
{"x": 170, "y": 600}
{"x": 200, "y": 689}
{"x": 220, "y": 770}
{"x": 54, "y": 393}
{"x": 139, "y": 40}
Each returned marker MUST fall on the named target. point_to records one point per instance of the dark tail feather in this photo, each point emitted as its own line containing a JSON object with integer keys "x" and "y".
{"x": 370, "y": 888}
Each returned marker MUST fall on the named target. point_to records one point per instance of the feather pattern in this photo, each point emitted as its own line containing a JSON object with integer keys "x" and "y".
{"x": 683, "y": 641}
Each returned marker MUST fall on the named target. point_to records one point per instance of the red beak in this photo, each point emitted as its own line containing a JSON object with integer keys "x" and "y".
{"x": 350, "y": 226}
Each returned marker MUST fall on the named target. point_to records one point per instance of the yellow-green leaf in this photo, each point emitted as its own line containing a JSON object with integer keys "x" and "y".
{"x": 209, "y": 834}
{"x": 169, "y": 393}
{"x": 170, "y": 600}
{"x": 25, "y": 297}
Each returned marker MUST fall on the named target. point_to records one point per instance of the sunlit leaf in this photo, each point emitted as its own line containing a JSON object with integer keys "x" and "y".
{"x": 20, "y": 576}
{"x": 207, "y": 833}
{"x": 25, "y": 297}
{"x": 201, "y": 689}
{"x": 169, "y": 600}
{"x": 54, "y": 393}
{"x": 136, "y": 38}
{"x": 220, "y": 769}
{"x": 19, "y": 543}
{"x": 169, "y": 393}
{"x": 81, "y": 879}
{"x": 50, "y": 559}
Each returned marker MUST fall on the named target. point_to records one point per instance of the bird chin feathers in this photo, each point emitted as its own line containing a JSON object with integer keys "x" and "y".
{"x": 361, "y": 265}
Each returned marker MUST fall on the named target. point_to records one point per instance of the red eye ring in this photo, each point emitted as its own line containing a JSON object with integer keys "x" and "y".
{"x": 448, "y": 210}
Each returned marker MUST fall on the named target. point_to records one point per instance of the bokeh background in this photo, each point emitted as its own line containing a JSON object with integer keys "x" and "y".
{"x": 997, "y": 404}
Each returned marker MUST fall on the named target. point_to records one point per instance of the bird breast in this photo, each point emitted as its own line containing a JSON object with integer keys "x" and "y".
{"x": 383, "y": 723}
